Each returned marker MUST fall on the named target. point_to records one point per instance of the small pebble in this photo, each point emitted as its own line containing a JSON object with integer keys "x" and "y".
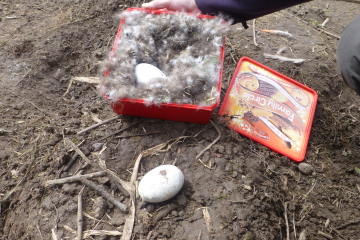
{"x": 305, "y": 168}
{"x": 97, "y": 146}
{"x": 234, "y": 174}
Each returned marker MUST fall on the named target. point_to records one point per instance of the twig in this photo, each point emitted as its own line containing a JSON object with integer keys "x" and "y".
{"x": 101, "y": 165}
{"x": 325, "y": 22}
{"x": 211, "y": 144}
{"x": 164, "y": 212}
{"x": 112, "y": 175}
{"x": 280, "y": 50}
{"x": 325, "y": 235}
{"x": 120, "y": 187}
{"x": 284, "y": 59}
{"x": 254, "y": 34}
{"x": 68, "y": 88}
{"x": 353, "y": 105}
{"x": 26, "y": 174}
{"x": 338, "y": 233}
{"x": 37, "y": 226}
{"x": 36, "y": 107}
{"x": 75, "y": 178}
{"x": 199, "y": 236}
{"x": 23, "y": 77}
{"x": 90, "y": 80}
{"x": 77, "y": 149}
{"x": 286, "y": 222}
{"x": 319, "y": 29}
{"x": 209, "y": 167}
{"x": 32, "y": 104}
{"x": 89, "y": 233}
{"x": 294, "y": 226}
{"x": 95, "y": 219}
{"x": 97, "y": 125}
{"x": 140, "y": 134}
{"x": 79, "y": 216}
{"x": 353, "y": 221}
{"x": 120, "y": 131}
{"x": 53, "y": 234}
{"x": 106, "y": 195}
{"x": 232, "y": 56}
{"x": 148, "y": 237}
{"x": 307, "y": 194}
{"x": 71, "y": 162}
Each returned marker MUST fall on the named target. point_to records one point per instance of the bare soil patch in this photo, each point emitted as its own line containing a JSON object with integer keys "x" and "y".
{"x": 240, "y": 190}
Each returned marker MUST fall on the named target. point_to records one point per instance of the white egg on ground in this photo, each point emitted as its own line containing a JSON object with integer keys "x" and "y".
{"x": 161, "y": 183}
{"x": 146, "y": 73}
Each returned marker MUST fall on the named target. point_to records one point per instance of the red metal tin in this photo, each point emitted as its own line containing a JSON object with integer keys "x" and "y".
{"x": 172, "y": 111}
{"x": 270, "y": 108}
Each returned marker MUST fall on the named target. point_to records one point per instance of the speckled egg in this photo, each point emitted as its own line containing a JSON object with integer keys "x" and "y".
{"x": 146, "y": 73}
{"x": 161, "y": 183}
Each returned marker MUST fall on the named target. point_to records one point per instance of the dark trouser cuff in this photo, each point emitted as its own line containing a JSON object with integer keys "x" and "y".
{"x": 348, "y": 54}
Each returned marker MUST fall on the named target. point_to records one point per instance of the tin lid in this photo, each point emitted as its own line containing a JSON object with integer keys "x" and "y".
{"x": 270, "y": 108}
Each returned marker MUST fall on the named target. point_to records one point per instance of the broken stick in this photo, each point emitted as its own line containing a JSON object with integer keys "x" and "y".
{"x": 97, "y": 125}
{"x": 211, "y": 144}
{"x": 79, "y": 216}
{"x": 75, "y": 178}
{"x": 106, "y": 195}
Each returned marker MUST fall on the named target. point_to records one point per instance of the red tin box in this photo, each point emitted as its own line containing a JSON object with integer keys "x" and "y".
{"x": 270, "y": 108}
{"x": 172, "y": 111}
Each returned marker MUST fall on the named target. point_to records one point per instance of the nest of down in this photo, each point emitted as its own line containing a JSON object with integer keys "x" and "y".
{"x": 184, "y": 47}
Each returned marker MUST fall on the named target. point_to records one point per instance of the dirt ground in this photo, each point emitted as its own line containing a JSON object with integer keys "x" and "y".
{"x": 249, "y": 192}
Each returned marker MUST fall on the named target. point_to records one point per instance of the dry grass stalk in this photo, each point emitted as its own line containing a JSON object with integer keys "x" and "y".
{"x": 286, "y": 222}
{"x": 89, "y": 233}
{"x": 307, "y": 194}
{"x": 79, "y": 219}
{"x": 97, "y": 125}
{"x": 121, "y": 130}
{"x": 254, "y": 34}
{"x": 77, "y": 149}
{"x": 207, "y": 219}
{"x": 209, "y": 167}
{"x": 284, "y": 59}
{"x": 90, "y": 80}
{"x": 95, "y": 219}
{"x": 211, "y": 144}
{"x": 325, "y": 235}
{"x": 319, "y": 29}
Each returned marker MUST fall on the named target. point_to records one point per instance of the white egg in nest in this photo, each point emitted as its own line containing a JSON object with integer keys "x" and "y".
{"x": 146, "y": 73}
{"x": 161, "y": 183}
